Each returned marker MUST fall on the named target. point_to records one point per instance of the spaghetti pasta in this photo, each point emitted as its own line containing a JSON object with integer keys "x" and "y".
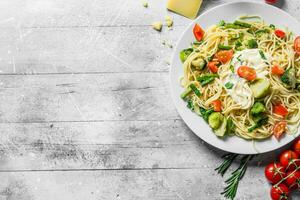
{"x": 255, "y": 38}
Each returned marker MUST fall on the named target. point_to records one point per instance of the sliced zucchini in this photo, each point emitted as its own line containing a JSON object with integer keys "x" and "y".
{"x": 222, "y": 129}
{"x": 260, "y": 87}
{"x": 215, "y": 120}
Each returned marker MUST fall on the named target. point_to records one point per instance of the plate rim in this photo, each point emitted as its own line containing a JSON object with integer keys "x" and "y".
{"x": 173, "y": 96}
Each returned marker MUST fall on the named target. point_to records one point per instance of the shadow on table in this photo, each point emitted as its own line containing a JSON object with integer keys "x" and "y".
{"x": 260, "y": 160}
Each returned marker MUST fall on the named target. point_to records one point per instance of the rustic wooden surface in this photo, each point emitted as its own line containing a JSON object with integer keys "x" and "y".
{"x": 85, "y": 108}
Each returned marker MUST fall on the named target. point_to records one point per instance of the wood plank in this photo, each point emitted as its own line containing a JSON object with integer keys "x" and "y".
{"x": 85, "y": 50}
{"x": 101, "y": 145}
{"x": 126, "y": 185}
{"x": 133, "y": 96}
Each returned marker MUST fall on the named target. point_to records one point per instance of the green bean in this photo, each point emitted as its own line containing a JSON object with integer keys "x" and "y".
{"x": 243, "y": 24}
{"x": 223, "y": 47}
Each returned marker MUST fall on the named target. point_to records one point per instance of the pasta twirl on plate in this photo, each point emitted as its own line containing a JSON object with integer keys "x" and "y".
{"x": 243, "y": 78}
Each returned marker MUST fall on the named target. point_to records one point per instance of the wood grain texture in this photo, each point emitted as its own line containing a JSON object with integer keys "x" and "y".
{"x": 85, "y": 108}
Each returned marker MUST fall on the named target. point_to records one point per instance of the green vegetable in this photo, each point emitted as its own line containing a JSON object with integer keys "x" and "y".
{"x": 238, "y": 43}
{"x": 262, "y": 55}
{"x": 229, "y": 85}
{"x": 230, "y": 127}
{"x": 186, "y": 93}
{"x": 272, "y": 26}
{"x": 298, "y": 87}
{"x": 233, "y": 26}
{"x": 210, "y": 58}
{"x": 222, "y": 129}
{"x": 223, "y": 47}
{"x": 205, "y": 113}
{"x": 259, "y": 121}
{"x": 238, "y": 36}
{"x": 252, "y": 44}
{"x": 222, "y": 23}
{"x": 239, "y": 58}
{"x": 207, "y": 78}
{"x": 243, "y": 24}
{"x": 197, "y": 42}
{"x": 195, "y": 90}
{"x": 190, "y": 104}
{"x": 231, "y": 68}
{"x": 200, "y": 63}
{"x": 289, "y": 77}
{"x": 257, "y": 109}
{"x": 215, "y": 120}
{"x": 260, "y": 87}
{"x": 184, "y": 54}
{"x": 260, "y": 31}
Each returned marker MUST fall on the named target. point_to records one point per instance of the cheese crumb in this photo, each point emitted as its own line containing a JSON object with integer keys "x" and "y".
{"x": 145, "y": 4}
{"x": 169, "y": 21}
{"x": 157, "y": 26}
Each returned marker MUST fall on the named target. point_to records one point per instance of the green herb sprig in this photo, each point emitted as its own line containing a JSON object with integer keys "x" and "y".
{"x": 233, "y": 181}
{"x": 229, "y": 158}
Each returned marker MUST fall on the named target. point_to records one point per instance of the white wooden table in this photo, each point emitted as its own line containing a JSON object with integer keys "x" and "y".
{"x": 85, "y": 108}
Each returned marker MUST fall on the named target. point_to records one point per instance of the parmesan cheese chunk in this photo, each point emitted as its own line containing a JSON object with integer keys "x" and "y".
{"x": 187, "y": 8}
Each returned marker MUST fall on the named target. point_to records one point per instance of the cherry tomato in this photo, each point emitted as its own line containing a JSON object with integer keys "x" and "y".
{"x": 274, "y": 172}
{"x": 277, "y": 70}
{"x": 297, "y": 45}
{"x": 198, "y": 32}
{"x": 279, "y": 129}
{"x": 293, "y": 180}
{"x": 271, "y": 1}
{"x": 296, "y": 146}
{"x": 247, "y": 73}
{"x": 224, "y": 56}
{"x": 281, "y": 192}
{"x": 212, "y": 66}
{"x": 217, "y": 104}
{"x": 280, "y": 109}
{"x": 289, "y": 159}
{"x": 279, "y": 33}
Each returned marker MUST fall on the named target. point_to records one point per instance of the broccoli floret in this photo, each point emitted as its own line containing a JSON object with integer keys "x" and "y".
{"x": 257, "y": 109}
{"x": 259, "y": 121}
{"x": 289, "y": 77}
{"x": 252, "y": 44}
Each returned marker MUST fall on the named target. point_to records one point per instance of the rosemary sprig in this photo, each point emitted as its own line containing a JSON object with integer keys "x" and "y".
{"x": 229, "y": 158}
{"x": 233, "y": 182}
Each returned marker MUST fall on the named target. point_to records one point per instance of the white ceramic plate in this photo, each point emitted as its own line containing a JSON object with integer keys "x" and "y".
{"x": 227, "y": 12}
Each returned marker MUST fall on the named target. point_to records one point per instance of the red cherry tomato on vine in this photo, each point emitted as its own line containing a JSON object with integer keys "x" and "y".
{"x": 280, "y": 192}
{"x": 275, "y": 172}
{"x": 289, "y": 159}
{"x": 198, "y": 32}
{"x": 296, "y": 146}
{"x": 293, "y": 180}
